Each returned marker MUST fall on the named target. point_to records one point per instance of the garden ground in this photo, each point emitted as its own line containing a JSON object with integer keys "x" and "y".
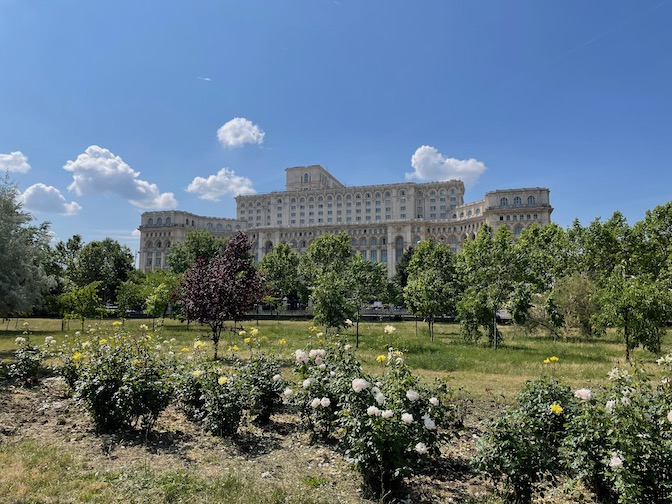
{"x": 50, "y": 453}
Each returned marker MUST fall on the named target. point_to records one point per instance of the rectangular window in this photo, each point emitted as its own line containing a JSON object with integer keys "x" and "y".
{"x": 149, "y": 261}
{"x": 373, "y": 255}
{"x": 383, "y": 256}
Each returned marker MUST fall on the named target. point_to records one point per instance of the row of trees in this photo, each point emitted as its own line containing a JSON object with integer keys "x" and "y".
{"x": 584, "y": 278}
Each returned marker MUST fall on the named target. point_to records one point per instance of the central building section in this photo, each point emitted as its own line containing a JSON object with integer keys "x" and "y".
{"x": 382, "y": 220}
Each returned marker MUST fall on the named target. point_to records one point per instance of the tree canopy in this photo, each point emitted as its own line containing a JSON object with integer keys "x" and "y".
{"x": 24, "y": 249}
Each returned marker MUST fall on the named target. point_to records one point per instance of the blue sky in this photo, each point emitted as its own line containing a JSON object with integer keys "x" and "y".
{"x": 109, "y": 109}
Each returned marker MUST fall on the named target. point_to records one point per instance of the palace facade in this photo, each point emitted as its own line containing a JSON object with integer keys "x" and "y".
{"x": 383, "y": 220}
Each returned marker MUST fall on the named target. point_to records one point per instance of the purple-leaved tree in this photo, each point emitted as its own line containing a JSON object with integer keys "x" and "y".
{"x": 222, "y": 289}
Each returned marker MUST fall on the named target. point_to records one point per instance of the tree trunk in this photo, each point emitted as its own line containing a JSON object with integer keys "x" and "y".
{"x": 357, "y": 330}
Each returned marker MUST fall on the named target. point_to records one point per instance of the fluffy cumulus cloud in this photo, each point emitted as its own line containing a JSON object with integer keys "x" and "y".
{"x": 224, "y": 183}
{"x": 99, "y": 171}
{"x": 238, "y": 132}
{"x": 430, "y": 165}
{"x": 47, "y": 199}
{"x": 14, "y": 162}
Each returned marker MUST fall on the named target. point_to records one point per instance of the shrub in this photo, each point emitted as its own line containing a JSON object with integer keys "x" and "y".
{"x": 27, "y": 364}
{"x": 620, "y": 442}
{"x": 522, "y": 447}
{"x": 393, "y": 426}
{"x": 388, "y": 426}
{"x": 121, "y": 382}
{"x": 210, "y": 394}
{"x": 261, "y": 385}
{"x": 327, "y": 375}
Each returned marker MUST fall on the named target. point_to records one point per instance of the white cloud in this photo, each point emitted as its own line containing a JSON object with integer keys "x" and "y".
{"x": 135, "y": 233}
{"x": 431, "y": 165}
{"x": 225, "y": 182}
{"x": 99, "y": 171}
{"x": 16, "y": 162}
{"x": 47, "y": 199}
{"x": 238, "y": 132}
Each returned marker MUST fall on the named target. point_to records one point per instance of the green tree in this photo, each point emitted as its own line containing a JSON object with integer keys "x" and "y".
{"x": 400, "y": 278}
{"x": 107, "y": 262}
{"x": 83, "y": 302}
{"x": 222, "y": 289}
{"x": 638, "y": 306}
{"x": 654, "y": 240}
{"x": 370, "y": 280}
{"x": 490, "y": 267}
{"x": 24, "y": 249}
{"x": 433, "y": 285}
{"x": 281, "y": 270}
{"x": 199, "y": 243}
{"x": 326, "y": 271}
{"x": 546, "y": 254}
{"x": 575, "y": 297}
{"x": 602, "y": 246}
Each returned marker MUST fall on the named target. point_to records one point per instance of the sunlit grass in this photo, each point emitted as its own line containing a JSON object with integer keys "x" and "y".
{"x": 34, "y": 472}
{"x": 477, "y": 368}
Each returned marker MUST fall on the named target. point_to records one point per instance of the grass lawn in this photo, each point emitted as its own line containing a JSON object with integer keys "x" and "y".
{"x": 477, "y": 369}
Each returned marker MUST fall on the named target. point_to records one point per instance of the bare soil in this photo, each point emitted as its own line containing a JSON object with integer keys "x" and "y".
{"x": 280, "y": 453}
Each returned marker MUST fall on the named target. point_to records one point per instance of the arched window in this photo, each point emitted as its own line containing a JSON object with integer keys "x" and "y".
{"x": 362, "y": 242}
{"x": 218, "y": 227}
{"x": 150, "y": 222}
{"x": 517, "y": 230}
{"x": 168, "y": 221}
{"x": 469, "y": 213}
{"x": 228, "y": 227}
{"x": 517, "y": 201}
{"x": 149, "y": 245}
{"x": 158, "y": 244}
{"x": 373, "y": 242}
{"x": 478, "y": 211}
{"x": 452, "y": 240}
{"x": 168, "y": 244}
{"x": 531, "y": 200}
{"x": 158, "y": 221}
{"x": 210, "y": 226}
{"x": 306, "y": 178}
{"x": 503, "y": 202}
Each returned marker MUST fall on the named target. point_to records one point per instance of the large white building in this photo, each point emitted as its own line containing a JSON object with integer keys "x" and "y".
{"x": 383, "y": 220}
